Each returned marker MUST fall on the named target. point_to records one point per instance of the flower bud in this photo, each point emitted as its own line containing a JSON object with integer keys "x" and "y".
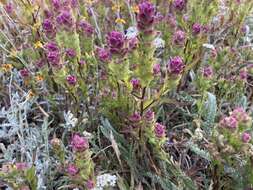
{"x": 24, "y": 73}
{"x": 71, "y": 79}
{"x": 176, "y": 65}
{"x": 159, "y": 130}
{"x": 115, "y": 41}
{"x": 136, "y": 84}
{"x": 179, "y": 37}
{"x": 229, "y": 122}
{"x": 179, "y": 4}
{"x": 79, "y": 143}
{"x": 146, "y": 16}
{"x": 72, "y": 169}
{"x": 196, "y": 28}
{"x": 246, "y": 137}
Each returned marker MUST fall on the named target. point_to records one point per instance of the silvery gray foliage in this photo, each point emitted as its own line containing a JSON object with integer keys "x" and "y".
{"x": 31, "y": 140}
{"x": 15, "y": 117}
{"x": 70, "y": 120}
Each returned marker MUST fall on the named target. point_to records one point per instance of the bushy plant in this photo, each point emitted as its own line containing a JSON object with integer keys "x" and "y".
{"x": 120, "y": 94}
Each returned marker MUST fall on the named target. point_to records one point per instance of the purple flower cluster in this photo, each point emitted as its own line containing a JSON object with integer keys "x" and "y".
{"x": 72, "y": 170}
{"x": 71, "y": 79}
{"x": 103, "y": 55}
{"x": 179, "y": 37}
{"x": 246, "y": 137}
{"x": 196, "y": 28}
{"x": 146, "y": 16}
{"x": 53, "y": 54}
{"x": 176, "y": 65}
{"x": 65, "y": 19}
{"x": 160, "y": 130}
{"x": 149, "y": 115}
{"x": 116, "y": 42}
{"x": 132, "y": 43}
{"x": 136, "y": 84}
{"x": 40, "y": 63}
{"x": 49, "y": 28}
{"x": 156, "y": 69}
{"x": 24, "y": 73}
{"x": 171, "y": 20}
{"x": 71, "y": 53}
{"x": 229, "y": 122}
{"x": 179, "y": 4}
{"x": 8, "y": 8}
{"x": 240, "y": 115}
{"x": 90, "y": 184}
{"x": 207, "y": 72}
{"x": 135, "y": 117}
{"x": 79, "y": 143}
{"x": 243, "y": 74}
{"x": 86, "y": 28}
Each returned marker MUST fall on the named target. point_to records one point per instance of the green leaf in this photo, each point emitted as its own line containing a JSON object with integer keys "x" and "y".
{"x": 31, "y": 177}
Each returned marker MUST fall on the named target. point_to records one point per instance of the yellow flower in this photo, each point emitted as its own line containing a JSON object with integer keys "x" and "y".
{"x": 39, "y": 78}
{"x": 38, "y": 44}
{"x": 120, "y": 21}
{"x": 116, "y": 7}
{"x": 7, "y": 67}
{"x": 135, "y": 9}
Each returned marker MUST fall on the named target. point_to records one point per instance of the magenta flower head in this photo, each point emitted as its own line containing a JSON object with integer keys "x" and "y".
{"x": 229, "y": 122}
{"x": 207, "y": 72}
{"x": 79, "y": 143}
{"x": 179, "y": 4}
{"x": 48, "y": 13}
{"x": 40, "y": 63}
{"x": 51, "y": 46}
{"x": 136, "y": 83}
{"x": 71, "y": 53}
{"x": 86, "y": 28}
{"x": 82, "y": 62}
{"x": 72, "y": 169}
{"x": 74, "y": 3}
{"x": 246, "y": 137}
{"x": 243, "y": 74}
{"x": 240, "y": 115}
{"x": 159, "y": 130}
{"x": 171, "y": 20}
{"x": 156, "y": 69}
{"x": 176, "y": 65}
{"x": 8, "y": 8}
{"x": 71, "y": 79}
{"x": 90, "y": 184}
{"x": 103, "y": 55}
{"x": 65, "y": 19}
{"x": 146, "y": 16}
{"x": 179, "y": 37}
{"x": 53, "y": 58}
{"x": 24, "y": 73}
{"x": 196, "y": 28}
{"x": 56, "y": 4}
{"x": 48, "y": 27}
{"x": 159, "y": 17}
{"x": 115, "y": 41}
{"x": 133, "y": 43}
{"x": 135, "y": 117}
{"x": 149, "y": 115}
{"x": 21, "y": 166}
